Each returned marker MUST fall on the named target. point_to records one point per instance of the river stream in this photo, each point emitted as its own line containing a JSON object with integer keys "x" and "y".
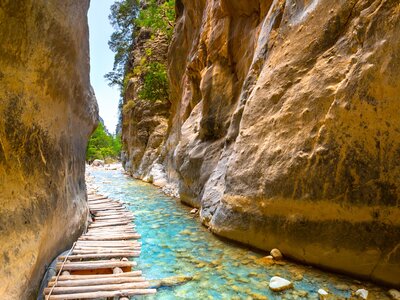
{"x": 176, "y": 247}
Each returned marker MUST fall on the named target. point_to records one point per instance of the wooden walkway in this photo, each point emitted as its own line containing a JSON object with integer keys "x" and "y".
{"x": 98, "y": 265}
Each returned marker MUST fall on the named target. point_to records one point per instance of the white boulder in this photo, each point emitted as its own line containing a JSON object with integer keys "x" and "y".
{"x": 394, "y": 294}
{"x": 278, "y": 284}
{"x": 322, "y": 294}
{"x": 362, "y": 293}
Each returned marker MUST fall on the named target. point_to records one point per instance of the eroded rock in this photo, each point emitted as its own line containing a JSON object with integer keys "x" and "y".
{"x": 278, "y": 284}
{"x": 47, "y": 112}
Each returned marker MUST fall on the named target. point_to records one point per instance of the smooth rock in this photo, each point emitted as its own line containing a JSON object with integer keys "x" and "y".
{"x": 323, "y": 295}
{"x": 170, "y": 281}
{"x": 362, "y": 293}
{"x": 276, "y": 254}
{"x": 278, "y": 284}
{"x": 266, "y": 260}
{"x": 98, "y": 163}
{"x": 394, "y": 294}
{"x": 194, "y": 211}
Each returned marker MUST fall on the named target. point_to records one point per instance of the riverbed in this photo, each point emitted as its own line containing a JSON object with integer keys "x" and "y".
{"x": 178, "y": 249}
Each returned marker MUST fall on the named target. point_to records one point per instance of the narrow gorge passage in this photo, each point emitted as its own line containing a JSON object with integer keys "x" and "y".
{"x": 276, "y": 122}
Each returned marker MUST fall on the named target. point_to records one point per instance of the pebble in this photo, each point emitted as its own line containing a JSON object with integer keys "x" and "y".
{"x": 362, "y": 293}
{"x": 395, "y": 294}
{"x": 342, "y": 287}
{"x": 276, "y": 254}
{"x": 322, "y": 294}
{"x": 278, "y": 284}
{"x": 194, "y": 211}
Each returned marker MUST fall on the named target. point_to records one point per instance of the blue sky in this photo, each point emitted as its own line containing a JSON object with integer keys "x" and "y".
{"x": 101, "y": 61}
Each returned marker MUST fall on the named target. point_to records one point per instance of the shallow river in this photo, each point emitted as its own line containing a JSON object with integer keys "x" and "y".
{"x": 174, "y": 243}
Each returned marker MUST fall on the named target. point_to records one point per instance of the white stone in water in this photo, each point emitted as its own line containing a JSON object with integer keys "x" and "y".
{"x": 278, "y": 284}
{"x": 194, "y": 211}
{"x": 395, "y": 294}
{"x": 362, "y": 293}
{"x": 322, "y": 294}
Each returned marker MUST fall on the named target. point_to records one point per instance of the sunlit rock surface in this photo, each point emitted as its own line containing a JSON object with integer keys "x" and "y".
{"x": 144, "y": 122}
{"x": 47, "y": 112}
{"x": 285, "y": 127}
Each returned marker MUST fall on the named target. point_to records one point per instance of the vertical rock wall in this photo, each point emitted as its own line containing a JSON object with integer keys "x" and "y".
{"x": 285, "y": 127}
{"x": 145, "y": 121}
{"x": 47, "y": 112}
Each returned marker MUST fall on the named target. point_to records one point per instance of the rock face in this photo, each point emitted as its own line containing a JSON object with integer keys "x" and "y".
{"x": 285, "y": 130}
{"x": 47, "y": 112}
{"x": 145, "y": 122}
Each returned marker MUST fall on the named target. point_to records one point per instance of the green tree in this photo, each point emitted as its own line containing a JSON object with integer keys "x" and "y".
{"x": 122, "y": 18}
{"x": 103, "y": 145}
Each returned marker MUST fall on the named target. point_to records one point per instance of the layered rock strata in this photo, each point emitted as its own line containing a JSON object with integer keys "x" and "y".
{"x": 47, "y": 112}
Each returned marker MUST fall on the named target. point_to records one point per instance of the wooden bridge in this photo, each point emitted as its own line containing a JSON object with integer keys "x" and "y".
{"x": 98, "y": 265}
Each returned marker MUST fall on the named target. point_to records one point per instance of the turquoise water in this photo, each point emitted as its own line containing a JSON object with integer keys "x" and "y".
{"x": 176, "y": 244}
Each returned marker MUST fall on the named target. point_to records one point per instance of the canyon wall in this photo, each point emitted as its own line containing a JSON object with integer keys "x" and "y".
{"x": 47, "y": 112}
{"x": 146, "y": 106}
{"x": 284, "y": 127}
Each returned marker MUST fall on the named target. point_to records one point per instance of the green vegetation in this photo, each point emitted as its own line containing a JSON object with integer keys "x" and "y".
{"x": 122, "y": 18}
{"x": 103, "y": 145}
{"x": 158, "y": 17}
{"x": 126, "y": 18}
{"x": 155, "y": 85}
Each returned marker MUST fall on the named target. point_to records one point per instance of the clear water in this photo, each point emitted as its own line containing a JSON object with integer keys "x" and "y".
{"x": 176, "y": 244}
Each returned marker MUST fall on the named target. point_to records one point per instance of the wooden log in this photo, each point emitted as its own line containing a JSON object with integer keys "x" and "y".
{"x": 90, "y": 250}
{"x": 114, "y": 210}
{"x": 113, "y": 217}
{"x": 112, "y": 214}
{"x": 95, "y": 288}
{"x": 93, "y": 265}
{"x": 108, "y": 243}
{"x": 97, "y": 198}
{"x": 108, "y": 206}
{"x": 110, "y": 238}
{"x": 110, "y": 223}
{"x": 104, "y": 255}
{"x": 95, "y": 225}
{"x": 108, "y": 249}
{"x": 113, "y": 228}
{"x": 96, "y": 276}
{"x": 102, "y": 250}
{"x": 104, "y": 294}
{"x": 97, "y": 281}
{"x": 108, "y": 231}
{"x": 119, "y": 234}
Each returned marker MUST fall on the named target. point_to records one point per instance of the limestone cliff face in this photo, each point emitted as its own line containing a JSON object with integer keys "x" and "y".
{"x": 144, "y": 121}
{"x": 285, "y": 127}
{"x": 47, "y": 112}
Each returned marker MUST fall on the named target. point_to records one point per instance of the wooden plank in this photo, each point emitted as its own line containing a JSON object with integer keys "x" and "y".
{"x": 109, "y": 243}
{"x": 95, "y": 288}
{"x": 97, "y": 198}
{"x": 100, "y": 251}
{"x": 109, "y": 248}
{"x": 95, "y": 265}
{"x": 80, "y": 277}
{"x": 95, "y": 225}
{"x": 102, "y": 255}
{"x": 104, "y": 294}
{"x": 110, "y": 238}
